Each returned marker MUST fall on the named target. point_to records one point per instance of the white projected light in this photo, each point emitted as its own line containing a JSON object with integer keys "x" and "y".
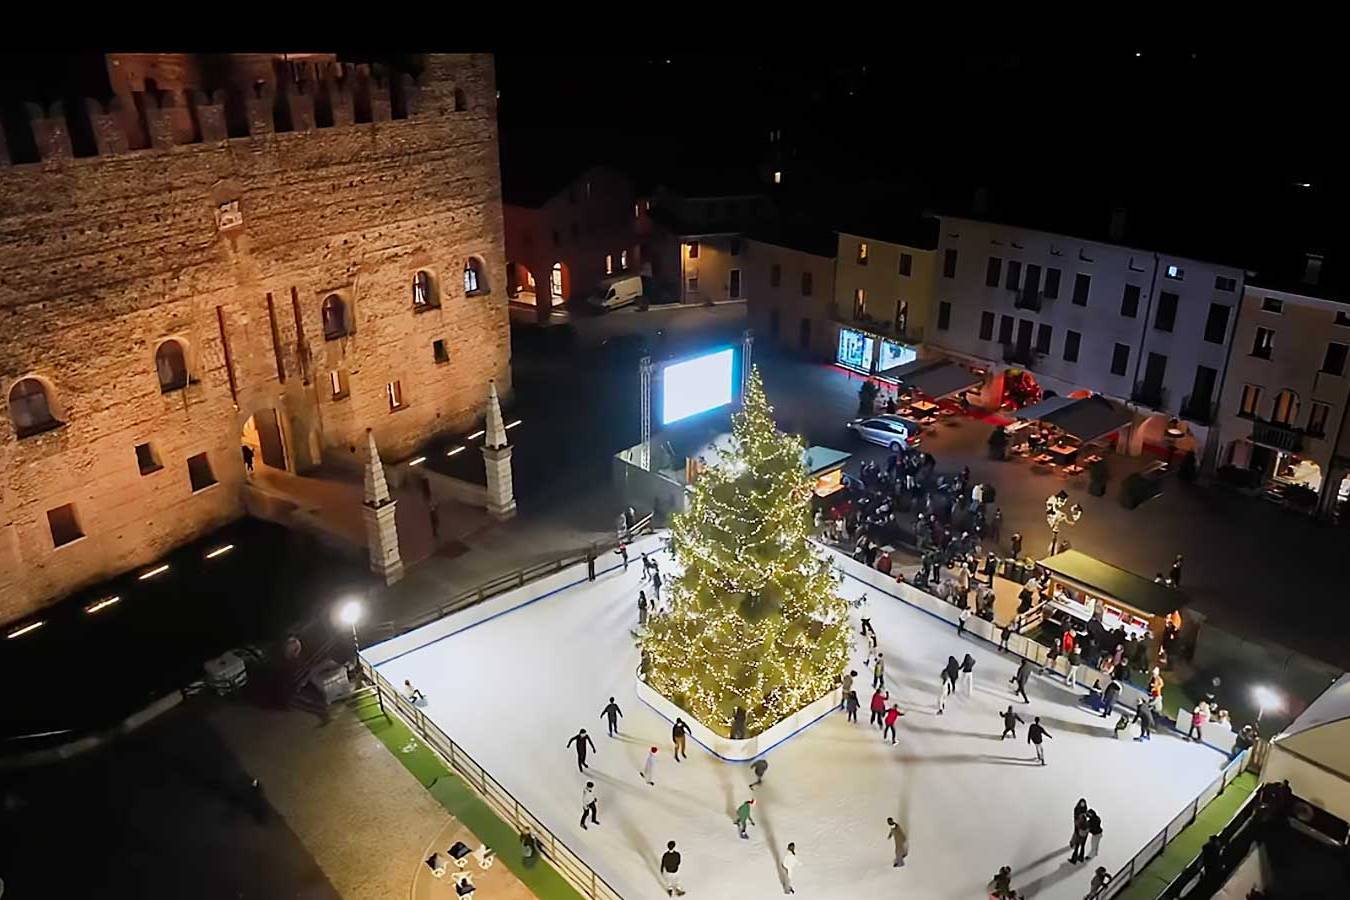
{"x": 696, "y": 385}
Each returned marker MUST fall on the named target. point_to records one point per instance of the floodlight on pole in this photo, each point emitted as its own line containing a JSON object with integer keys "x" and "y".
{"x": 1266, "y": 698}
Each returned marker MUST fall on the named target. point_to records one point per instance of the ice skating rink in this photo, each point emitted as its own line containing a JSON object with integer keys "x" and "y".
{"x": 513, "y": 688}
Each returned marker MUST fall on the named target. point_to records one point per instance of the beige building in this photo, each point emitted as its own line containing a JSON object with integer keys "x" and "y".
{"x": 789, "y": 290}
{"x": 1284, "y": 402}
{"x": 885, "y": 287}
{"x": 280, "y": 262}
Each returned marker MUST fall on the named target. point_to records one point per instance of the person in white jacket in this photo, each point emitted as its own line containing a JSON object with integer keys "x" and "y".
{"x": 649, "y": 767}
{"x": 588, "y": 803}
{"x": 790, "y": 863}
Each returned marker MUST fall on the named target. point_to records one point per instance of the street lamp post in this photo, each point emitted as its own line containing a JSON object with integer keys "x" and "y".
{"x": 1058, "y": 513}
{"x": 350, "y": 614}
{"x": 1266, "y": 698}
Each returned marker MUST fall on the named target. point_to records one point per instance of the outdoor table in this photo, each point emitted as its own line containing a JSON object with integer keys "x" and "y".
{"x": 1063, "y": 452}
{"x": 1044, "y": 459}
{"x": 924, "y": 406}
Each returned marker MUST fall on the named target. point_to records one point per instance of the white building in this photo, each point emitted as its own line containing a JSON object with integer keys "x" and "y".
{"x": 1143, "y": 327}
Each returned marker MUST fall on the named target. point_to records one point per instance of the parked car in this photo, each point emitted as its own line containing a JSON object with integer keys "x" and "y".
{"x": 888, "y": 431}
{"x": 612, "y": 293}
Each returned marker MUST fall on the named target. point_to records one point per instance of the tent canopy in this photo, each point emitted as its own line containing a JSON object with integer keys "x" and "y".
{"x": 1134, "y": 591}
{"x": 819, "y": 460}
{"x": 1322, "y": 733}
{"x": 1086, "y": 419}
{"x": 936, "y": 379}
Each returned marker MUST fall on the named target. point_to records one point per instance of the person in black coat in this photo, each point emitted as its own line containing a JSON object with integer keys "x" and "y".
{"x": 1010, "y": 720}
{"x": 1035, "y": 734}
{"x": 1143, "y": 714}
{"x": 581, "y": 739}
{"x": 1020, "y": 679}
{"x": 952, "y": 670}
{"x": 1109, "y": 697}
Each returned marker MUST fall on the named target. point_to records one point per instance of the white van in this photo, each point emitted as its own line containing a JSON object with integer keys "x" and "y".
{"x": 612, "y": 293}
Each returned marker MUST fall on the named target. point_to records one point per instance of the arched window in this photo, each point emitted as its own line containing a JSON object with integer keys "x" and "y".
{"x": 1286, "y": 408}
{"x": 334, "y": 318}
{"x": 171, "y": 367}
{"x": 424, "y": 291}
{"x": 30, "y": 409}
{"x": 475, "y": 282}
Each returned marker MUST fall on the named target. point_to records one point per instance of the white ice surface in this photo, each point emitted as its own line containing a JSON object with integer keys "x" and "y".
{"x": 527, "y": 680}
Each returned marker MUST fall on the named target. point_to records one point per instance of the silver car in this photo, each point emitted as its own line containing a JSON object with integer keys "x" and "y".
{"x": 888, "y": 431}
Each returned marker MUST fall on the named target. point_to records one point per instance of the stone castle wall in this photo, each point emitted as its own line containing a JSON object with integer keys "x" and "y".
{"x": 103, "y": 258}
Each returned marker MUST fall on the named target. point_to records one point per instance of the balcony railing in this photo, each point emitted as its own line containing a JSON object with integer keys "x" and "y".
{"x": 1020, "y": 356}
{"x": 1197, "y": 412}
{"x": 1277, "y": 435}
{"x": 1150, "y": 395}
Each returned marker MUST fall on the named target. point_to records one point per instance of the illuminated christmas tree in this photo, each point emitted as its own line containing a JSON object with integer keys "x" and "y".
{"x": 755, "y": 621}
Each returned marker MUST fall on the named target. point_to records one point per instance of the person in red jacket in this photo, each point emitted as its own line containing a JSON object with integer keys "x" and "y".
{"x": 878, "y": 707}
{"x": 891, "y": 715}
{"x": 1068, "y": 640}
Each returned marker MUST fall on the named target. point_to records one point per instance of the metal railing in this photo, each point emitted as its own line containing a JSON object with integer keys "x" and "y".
{"x": 510, "y": 810}
{"x": 1182, "y": 820}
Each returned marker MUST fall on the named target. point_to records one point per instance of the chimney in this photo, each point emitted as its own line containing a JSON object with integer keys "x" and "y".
{"x": 979, "y": 204}
{"x": 1117, "y": 230}
{"x": 1312, "y": 269}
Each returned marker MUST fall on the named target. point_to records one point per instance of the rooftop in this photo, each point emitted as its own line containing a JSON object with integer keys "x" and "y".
{"x": 816, "y": 241}
{"x": 1131, "y": 589}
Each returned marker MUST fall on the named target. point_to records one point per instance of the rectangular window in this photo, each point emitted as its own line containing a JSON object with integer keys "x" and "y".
{"x": 1251, "y": 400}
{"x": 734, "y": 287}
{"x": 609, "y": 263}
{"x": 1166, "y": 317}
{"x": 439, "y": 353}
{"x": 146, "y": 459}
{"x": 1216, "y": 325}
{"x": 1005, "y": 327}
{"x": 986, "y": 326}
{"x": 1225, "y": 284}
{"x": 1071, "y": 341}
{"x": 337, "y": 384}
{"x": 806, "y": 284}
{"x": 64, "y": 524}
{"x": 994, "y": 272}
{"x": 1120, "y": 359}
{"x": 775, "y": 275}
{"x": 1051, "y": 289}
{"x": 859, "y": 303}
{"x": 1343, "y": 318}
{"x": 1014, "y": 280}
{"x": 200, "y": 475}
{"x": 623, "y": 260}
{"x": 693, "y": 250}
{"x": 394, "y": 392}
{"x": 1044, "y": 334}
{"x": 1082, "y": 282}
{"x": 1272, "y": 305}
{"x": 1176, "y": 273}
{"x": 1129, "y": 301}
{"x": 906, "y": 264}
{"x": 862, "y": 253}
{"x": 944, "y": 316}
{"x": 1317, "y": 419}
{"x": 1264, "y": 343}
{"x": 1334, "y": 362}
{"x": 949, "y": 263}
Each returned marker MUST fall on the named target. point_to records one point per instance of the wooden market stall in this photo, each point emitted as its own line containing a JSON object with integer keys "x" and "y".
{"x": 1087, "y": 588}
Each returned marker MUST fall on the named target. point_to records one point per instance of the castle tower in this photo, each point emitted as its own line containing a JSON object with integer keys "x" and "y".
{"x": 377, "y": 510}
{"x": 501, "y": 497}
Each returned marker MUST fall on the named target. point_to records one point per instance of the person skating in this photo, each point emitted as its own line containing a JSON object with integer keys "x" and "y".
{"x": 1010, "y": 722}
{"x": 1094, "y": 832}
{"x": 670, "y": 870}
{"x": 411, "y": 693}
{"x": 892, "y": 715}
{"x": 1100, "y": 879}
{"x": 581, "y": 739}
{"x": 588, "y": 804}
{"x": 1079, "y": 809}
{"x": 1078, "y": 843}
{"x": 678, "y": 733}
{"x": 611, "y": 714}
{"x": 968, "y": 674}
{"x": 1143, "y": 715}
{"x": 951, "y": 672}
{"x": 656, "y": 584}
{"x": 901, "y": 840}
{"x": 1034, "y": 736}
{"x": 943, "y": 690}
{"x": 790, "y": 863}
{"x": 1019, "y": 680}
{"x": 851, "y": 706}
{"x": 743, "y": 817}
{"x": 649, "y": 768}
{"x": 878, "y": 707}
{"x": 642, "y": 609}
{"x": 879, "y": 672}
{"x": 759, "y": 767}
{"x": 1075, "y": 662}
{"x": 1199, "y": 716}
{"x": 622, "y": 552}
{"x": 1000, "y": 885}
{"x": 646, "y": 569}
{"x": 962, "y": 619}
{"x": 1109, "y": 697}
{"x": 846, "y": 687}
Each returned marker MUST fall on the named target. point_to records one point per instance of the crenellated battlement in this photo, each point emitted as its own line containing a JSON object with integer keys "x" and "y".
{"x": 305, "y": 97}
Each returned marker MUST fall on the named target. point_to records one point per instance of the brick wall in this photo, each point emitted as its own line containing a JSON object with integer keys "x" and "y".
{"x": 103, "y": 258}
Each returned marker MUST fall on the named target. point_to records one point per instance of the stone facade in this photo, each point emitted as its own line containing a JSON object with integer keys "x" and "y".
{"x": 341, "y": 184}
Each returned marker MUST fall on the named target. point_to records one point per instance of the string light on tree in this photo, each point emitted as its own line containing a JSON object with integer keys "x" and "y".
{"x": 755, "y": 621}
{"x": 1059, "y": 513}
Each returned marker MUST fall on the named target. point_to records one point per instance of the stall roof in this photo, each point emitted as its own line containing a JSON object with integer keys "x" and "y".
{"x": 1090, "y": 418}
{"x": 938, "y": 379}
{"x": 822, "y": 459}
{"x": 1322, "y": 733}
{"x": 1038, "y": 411}
{"x": 1130, "y": 589}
